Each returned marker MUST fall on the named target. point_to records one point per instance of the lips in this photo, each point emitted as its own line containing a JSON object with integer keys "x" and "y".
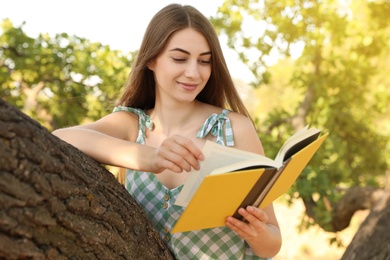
{"x": 188, "y": 86}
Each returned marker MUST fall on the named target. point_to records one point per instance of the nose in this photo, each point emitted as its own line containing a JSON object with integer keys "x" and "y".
{"x": 192, "y": 69}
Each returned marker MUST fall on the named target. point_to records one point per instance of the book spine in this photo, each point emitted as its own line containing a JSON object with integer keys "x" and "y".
{"x": 256, "y": 190}
{"x": 269, "y": 185}
{"x": 261, "y": 188}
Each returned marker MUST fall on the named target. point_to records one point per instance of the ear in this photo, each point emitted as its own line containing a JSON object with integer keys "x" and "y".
{"x": 151, "y": 65}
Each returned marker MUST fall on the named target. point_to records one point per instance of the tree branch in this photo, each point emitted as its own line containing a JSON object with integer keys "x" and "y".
{"x": 58, "y": 203}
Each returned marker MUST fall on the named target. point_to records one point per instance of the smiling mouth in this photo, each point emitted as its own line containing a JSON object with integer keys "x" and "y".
{"x": 187, "y": 86}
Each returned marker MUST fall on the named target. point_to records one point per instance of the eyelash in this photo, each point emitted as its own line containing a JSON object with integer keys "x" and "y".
{"x": 200, "y": 61}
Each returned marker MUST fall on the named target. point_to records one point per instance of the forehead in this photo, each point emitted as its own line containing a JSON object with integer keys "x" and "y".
{"x": 188, "y": 39}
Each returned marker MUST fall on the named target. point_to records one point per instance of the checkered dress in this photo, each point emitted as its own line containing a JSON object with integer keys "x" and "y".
{"x": 158, "y": 202}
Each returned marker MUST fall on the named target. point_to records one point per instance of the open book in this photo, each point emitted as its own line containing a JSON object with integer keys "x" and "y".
{"x": 229, "y": 179}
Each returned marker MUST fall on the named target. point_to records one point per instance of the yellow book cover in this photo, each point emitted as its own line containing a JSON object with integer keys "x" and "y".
{"x": 222, "y": 186}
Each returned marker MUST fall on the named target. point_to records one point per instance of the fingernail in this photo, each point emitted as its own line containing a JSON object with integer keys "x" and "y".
{"x": 250, "y": 208}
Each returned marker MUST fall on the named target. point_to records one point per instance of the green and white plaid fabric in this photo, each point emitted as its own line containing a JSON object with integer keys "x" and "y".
{"x": 143, "y": 119}
{"x": 214, "y": 125}
{"x": 158, "y": 203}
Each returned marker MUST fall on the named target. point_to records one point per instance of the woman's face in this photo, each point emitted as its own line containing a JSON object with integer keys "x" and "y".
{"x": 183, "y": 68}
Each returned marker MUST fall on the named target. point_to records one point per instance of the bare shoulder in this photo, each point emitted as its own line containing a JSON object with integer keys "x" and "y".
{"x": 122, "y": 124}
{"x": 242, "y": 125}
{"x": 245, "y": 134}
{"x": 240, "y": 119}
{"x": 244, "y": 131}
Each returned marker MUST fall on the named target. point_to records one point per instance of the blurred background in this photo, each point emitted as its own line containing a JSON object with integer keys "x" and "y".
{"x": 324, "y": 63}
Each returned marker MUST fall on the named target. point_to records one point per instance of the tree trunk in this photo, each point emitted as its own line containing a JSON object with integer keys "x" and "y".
{"x": 372, "y": 240}
{"x": 58, "y": 203}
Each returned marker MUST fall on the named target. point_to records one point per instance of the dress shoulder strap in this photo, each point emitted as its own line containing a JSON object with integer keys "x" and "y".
{"x": 144, "y": 121}
{"x": 214, "y": 125}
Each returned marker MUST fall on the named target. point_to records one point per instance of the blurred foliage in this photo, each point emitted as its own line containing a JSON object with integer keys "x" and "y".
{"x": 323, "y": 63}
{"x": 61, "y": 80}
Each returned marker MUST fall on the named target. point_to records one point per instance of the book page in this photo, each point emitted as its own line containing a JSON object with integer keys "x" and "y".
{"x": 300, "y": 139}
{"x": 292, "y": 170}
{"x": 216, "y": 156}
{"x": 262, "y": 162}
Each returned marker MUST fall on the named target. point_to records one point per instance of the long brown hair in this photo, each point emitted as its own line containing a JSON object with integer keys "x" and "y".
{"x": 140, "y": 87}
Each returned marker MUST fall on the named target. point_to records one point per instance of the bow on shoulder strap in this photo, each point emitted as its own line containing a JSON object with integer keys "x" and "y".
{"x": 214, "y": 125}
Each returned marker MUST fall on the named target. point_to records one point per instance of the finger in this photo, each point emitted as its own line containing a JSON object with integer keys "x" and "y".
{"x": 190, "y": 146}
{"x": 162, "y": 162}
{"x": 253, "y": 213}
{"x": 248, "y": 216}
{"x": 256, "y": 217}
{"x": 188, "y": 150}
{"x": 174, "y": 159}
{"x": 258, "y": 213}
{"x": 234, "y": 223}
{"x": 238, "y": 226}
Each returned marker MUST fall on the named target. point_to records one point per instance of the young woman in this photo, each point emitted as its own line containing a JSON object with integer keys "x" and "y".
{"x": 179, "y": 94}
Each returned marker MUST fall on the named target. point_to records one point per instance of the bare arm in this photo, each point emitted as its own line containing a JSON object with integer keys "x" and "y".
{"x": 262, "y": 231}
{"x": 111, "y": 140}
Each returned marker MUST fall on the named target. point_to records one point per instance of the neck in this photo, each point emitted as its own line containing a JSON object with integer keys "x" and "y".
{"x": 171, "y": 120}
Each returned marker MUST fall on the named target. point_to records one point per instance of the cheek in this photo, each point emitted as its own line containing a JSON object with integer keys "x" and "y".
{"x": 167, "y": 69}
{"x": 163, "y": 71}
{"x": 205, "y": 72}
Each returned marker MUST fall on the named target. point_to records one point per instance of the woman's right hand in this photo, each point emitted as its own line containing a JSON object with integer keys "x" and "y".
{"x": 177, "y": 154}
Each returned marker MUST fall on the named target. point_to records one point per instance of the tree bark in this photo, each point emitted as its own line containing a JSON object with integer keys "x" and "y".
{"x": 372, "y": 240}
{"x": 58, "y": 203}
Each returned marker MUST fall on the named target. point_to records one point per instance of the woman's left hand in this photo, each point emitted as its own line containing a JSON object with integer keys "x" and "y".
{"x": 253, "y": 227}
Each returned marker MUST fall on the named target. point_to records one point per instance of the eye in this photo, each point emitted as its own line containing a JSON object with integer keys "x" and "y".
{"x": 179, "y": 59}
{"x": 204, "y": 61}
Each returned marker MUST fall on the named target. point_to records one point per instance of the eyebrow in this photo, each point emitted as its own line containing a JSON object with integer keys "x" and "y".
{"x": 187, "y": 52}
